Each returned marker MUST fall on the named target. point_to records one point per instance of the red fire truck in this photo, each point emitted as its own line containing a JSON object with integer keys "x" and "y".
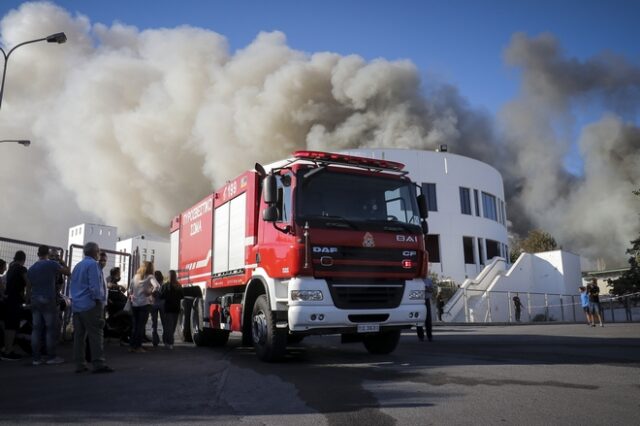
{"x": 320, "y": 243}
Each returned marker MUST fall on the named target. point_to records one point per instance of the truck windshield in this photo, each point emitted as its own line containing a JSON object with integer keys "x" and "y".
{"x": 350, "y": 199}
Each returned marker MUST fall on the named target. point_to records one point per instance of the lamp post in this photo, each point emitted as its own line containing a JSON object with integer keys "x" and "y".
{"x": 53, "y": 38}
{"x": 22, "y": 142}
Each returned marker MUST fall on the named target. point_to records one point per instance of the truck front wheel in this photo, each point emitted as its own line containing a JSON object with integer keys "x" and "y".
{"x": 382, "y": 343}
{"x": 270, "y": 342}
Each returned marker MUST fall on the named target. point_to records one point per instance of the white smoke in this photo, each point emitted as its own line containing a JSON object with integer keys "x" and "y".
{"x": 131, "y": 127}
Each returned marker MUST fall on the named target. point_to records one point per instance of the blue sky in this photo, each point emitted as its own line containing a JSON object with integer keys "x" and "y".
{"x": 458, "y": 41}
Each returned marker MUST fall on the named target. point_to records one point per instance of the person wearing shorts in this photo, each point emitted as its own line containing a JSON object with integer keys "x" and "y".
{"x": 584, "y": 301}
{"x": 594, "y": 303}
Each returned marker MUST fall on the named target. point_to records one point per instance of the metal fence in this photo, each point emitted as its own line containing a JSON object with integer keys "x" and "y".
{"x": 114, "y": 258}
{"x": 498, "y": 306}
{"x": 9, "y": 247}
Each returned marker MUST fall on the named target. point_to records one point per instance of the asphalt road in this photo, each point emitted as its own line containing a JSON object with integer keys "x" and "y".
{"x": 475, "y": 375}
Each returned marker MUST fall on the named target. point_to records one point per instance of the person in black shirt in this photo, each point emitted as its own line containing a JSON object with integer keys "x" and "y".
{"x": 171, "y": 293}
{"x": 594, "y": 302}
{"x": 17, "y": 285}
{"x": 518, "y": 306}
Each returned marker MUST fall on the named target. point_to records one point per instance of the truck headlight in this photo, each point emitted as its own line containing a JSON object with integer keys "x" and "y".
{"x": 416, "y": 295}
{"x": 306, "y": 295}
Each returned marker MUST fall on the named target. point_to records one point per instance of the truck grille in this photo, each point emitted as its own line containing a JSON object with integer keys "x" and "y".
{"x": 370, "y": 294}
{"x": 359, "y": 262}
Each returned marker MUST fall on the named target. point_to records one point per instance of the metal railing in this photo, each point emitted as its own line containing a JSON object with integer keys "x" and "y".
{"x": 481, "y": 306}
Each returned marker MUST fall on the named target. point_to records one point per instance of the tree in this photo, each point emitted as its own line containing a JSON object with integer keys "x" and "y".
{"x": 629, "y": 281}
{"x": 537, "y": 241}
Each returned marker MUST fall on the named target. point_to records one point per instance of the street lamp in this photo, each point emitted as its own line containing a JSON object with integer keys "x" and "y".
{"x": 22, "y": 142}
{"x": 53, "y": 38}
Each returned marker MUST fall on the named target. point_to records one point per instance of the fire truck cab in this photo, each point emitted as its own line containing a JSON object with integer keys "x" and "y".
{"x": 319, "y": 243}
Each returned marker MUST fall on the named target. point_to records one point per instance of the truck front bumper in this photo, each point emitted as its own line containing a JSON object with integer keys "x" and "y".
{"x": 318, "y": 317}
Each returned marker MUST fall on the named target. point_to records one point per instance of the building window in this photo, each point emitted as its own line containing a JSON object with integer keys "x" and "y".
{"x": 489, "y": 206}
{"x": 477, "y": 201}
{"x": 481, "y": 251}
{"x": 467, "y": 247}
{"x": 432, "y": 245}
{"x": 504, "y": 213}
{"x": 429, "y": 191}
{"x": 465, "y": 201}
{"x": 493, "y": 249}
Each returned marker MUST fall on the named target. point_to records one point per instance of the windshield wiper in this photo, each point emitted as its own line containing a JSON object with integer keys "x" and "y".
{"x": 343, "y": 222}
{"x": 396, "y": 225}
{"x": 306, "y": 178}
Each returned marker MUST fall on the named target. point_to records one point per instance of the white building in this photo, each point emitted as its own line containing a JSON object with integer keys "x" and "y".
{"x": 141, "y": 248}
{"x": 467, "y": 215}
{"x": 105, "y": 236}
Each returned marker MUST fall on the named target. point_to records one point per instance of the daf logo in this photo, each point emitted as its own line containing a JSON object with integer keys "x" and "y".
{"x": 408, "y": 253}
{"x": 325, "y": 249}
{"x": 406, "y": 238}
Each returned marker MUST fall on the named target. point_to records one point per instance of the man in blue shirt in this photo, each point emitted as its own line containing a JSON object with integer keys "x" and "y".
{"x": 42, "y": 277}
{"x": 88, "y": 299}
{"x": 584, "y": 301}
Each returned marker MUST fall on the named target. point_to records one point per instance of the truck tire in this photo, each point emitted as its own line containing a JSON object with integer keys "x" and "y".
{"x": 382, "y": 343}
{"x": 201, "y": 335}
{"x": 184, "y": 319}
{"x": 269, "y": 342}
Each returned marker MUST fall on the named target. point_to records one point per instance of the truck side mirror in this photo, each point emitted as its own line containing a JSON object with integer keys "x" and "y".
{"x": 270, "y": 214}
{"x": 270, "y": 189}
{"x": 422, "y": 206}
{"x": 425, "y": 227}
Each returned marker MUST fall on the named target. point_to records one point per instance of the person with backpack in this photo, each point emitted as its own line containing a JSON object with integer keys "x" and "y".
{"x": 171, "y": 293}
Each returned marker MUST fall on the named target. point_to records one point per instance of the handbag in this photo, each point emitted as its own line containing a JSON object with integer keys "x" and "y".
{"x": 127, "y": 307}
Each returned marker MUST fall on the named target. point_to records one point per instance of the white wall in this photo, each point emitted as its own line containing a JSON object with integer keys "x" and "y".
{"x": 103, "y": 235}
{"x": 450, "y": 172}
{"x": 150, "y": 249}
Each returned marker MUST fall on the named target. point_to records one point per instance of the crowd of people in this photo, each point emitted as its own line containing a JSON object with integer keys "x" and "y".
{"x": 99, "y": 304}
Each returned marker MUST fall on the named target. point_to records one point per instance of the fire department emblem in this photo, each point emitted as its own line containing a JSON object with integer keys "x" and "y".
{"x": 368, "y": 240}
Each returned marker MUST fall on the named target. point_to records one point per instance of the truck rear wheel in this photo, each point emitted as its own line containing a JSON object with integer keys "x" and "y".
{"x": 270, "y": 342}
{"x": 201, "y": 335}
{"x": 382, "y": 343}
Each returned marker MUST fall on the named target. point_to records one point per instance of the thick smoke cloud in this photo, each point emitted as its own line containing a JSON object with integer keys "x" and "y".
{"x": 131, "y": 127}
{"x": 594, "y": 215}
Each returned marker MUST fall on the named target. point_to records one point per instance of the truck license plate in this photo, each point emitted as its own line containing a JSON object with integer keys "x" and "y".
{"x": 368, "y": 328}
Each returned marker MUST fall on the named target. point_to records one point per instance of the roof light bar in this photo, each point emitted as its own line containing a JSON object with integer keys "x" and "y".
{"x": 348, "y": 159}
